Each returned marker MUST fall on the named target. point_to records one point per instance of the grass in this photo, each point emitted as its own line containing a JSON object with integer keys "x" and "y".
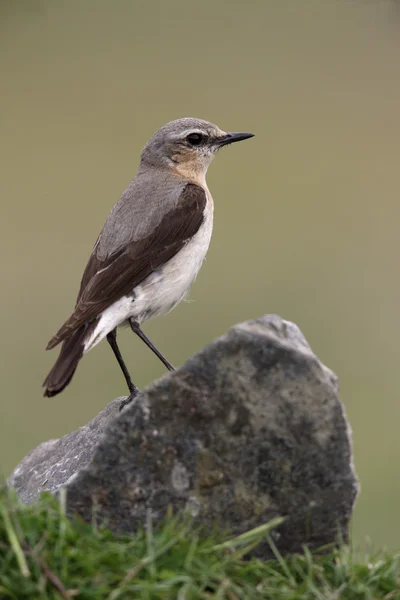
{"x": 44, "y": 555}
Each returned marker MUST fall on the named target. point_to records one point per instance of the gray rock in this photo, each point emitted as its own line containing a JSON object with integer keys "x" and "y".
{"x": 56, "y": 462}
{"x": 248, "y": 429}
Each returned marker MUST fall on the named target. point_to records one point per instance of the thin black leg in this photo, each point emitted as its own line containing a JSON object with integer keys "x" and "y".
{"x": 136, "y": 329}
{"x": 133, "y": 390}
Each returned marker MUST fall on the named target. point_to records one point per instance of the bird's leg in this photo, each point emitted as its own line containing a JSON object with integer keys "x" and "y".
{"x": 136, "y": 329}
{"x": 133, "y": 390}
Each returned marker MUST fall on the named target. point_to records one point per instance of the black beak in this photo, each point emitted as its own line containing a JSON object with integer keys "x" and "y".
{"x": 230, "y": 138}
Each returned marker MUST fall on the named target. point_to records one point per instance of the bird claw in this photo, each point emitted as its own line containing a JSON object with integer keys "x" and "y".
{"x": 128, "y": 399}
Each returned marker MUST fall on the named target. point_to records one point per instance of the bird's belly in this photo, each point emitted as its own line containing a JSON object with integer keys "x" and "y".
{"x": 160, "y": 291}
{"x": 165, "y": 288}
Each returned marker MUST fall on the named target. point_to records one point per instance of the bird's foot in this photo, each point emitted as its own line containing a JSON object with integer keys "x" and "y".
{"x": 129, "y": 398}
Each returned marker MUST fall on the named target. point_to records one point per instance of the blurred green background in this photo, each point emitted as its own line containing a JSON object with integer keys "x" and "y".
{"x": 306, "y": 213}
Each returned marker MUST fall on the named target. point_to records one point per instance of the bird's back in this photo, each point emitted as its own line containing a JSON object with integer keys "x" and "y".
{"x": 150, "y": 195}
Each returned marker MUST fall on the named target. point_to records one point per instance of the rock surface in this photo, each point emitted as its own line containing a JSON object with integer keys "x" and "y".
{"x": 248, "y": 429}
{"x": 56, "y": 462}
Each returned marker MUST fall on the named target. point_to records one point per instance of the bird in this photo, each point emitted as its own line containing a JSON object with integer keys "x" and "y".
{"x": 150, "y": 249}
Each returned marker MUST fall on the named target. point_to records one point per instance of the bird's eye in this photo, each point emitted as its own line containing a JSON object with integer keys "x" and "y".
{"x": 195, "y": 139}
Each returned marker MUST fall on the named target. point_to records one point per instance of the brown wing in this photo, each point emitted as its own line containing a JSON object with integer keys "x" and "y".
{"x": 105, "y": 282}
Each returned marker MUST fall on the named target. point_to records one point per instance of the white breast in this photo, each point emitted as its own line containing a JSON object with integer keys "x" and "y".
{"x": 162, "y": 290}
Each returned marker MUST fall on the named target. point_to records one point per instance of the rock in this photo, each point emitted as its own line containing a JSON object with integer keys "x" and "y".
{"x": 56, "y": 462}
{"x": 248, "y": 429}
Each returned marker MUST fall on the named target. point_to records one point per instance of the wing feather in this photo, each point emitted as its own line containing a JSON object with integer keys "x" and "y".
{"x": 106, "y": 281}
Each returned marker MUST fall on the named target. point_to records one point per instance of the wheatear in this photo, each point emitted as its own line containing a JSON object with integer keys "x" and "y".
{"x": 150, "y": 249}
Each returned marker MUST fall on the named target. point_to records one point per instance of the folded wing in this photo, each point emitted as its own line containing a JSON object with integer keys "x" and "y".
{"x": 106, "y": 281}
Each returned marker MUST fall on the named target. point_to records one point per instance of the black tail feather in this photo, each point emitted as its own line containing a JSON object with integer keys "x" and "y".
{"x": 67, "y": 362}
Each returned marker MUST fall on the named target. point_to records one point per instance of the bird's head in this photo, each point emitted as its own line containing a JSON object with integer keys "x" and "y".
{"x": 187, "y": 146}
